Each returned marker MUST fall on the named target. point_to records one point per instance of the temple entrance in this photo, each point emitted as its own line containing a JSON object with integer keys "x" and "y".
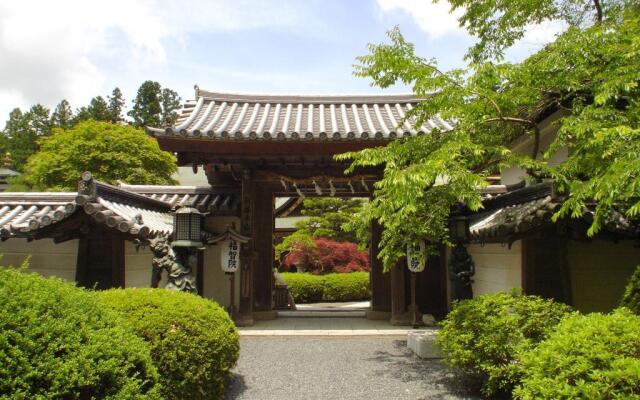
{"x": 321, "y": 268}
{"x": 262, "y": 148}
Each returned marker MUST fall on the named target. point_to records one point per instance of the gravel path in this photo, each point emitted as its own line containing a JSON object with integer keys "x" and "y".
{"x": 357, "y": 367}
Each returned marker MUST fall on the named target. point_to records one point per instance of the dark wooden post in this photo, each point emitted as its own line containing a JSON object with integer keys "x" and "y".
{"x": 399, "y": 314}
{"x": 263, "y": 246}
{"x": 117, "y": 261}
{"x": 380, "y": 281}
{"x": 245, "y": 316}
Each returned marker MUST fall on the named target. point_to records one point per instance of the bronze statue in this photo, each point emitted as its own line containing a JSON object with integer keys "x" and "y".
{"x": 178, "y": 263}
{"x": 461, "y": 269}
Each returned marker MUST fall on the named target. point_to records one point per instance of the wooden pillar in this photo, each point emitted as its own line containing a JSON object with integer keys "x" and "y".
{"x": 82, "y": 261}
{"x": 263, "y": 246}
{"x": 117, "y": 261}
{"x": 399, "y": 314}
{"x": 379, "y": 280}
{"x": 245, "y": 316}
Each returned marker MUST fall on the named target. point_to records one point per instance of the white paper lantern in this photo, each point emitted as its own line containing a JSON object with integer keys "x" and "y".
{"x": 230, "y": 255}
{"x": 416, "y": 260}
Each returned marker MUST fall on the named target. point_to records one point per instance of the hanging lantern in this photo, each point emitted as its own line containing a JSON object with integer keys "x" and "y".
{"x": 230, "y": 242}
{"x": 229, "y": 255}
{"x": 416, "y": 256}
{"x": 187, "y": 227}
{"x": 459, "y": 228}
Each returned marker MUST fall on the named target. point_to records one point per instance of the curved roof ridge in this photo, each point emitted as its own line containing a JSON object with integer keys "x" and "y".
{"x": 308, "y": 98}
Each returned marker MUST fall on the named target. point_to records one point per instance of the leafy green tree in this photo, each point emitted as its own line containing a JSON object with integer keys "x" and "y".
{"x": 154, "y": 106}
{"x": 327, "y": 215}
{"x": 326, "y": 218}
{"x": 110, "y": 152}
{"x": 170, "y": 106}
{"x": 589, "y": 73}
{"x": 99, "y": 109}
{"x": 116, "y": 105}
{"x": 62, "y": 116}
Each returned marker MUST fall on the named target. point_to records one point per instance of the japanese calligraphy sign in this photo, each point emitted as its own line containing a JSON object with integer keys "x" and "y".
{"x": 230, "y": 256}
{"x": 416, "y": 260}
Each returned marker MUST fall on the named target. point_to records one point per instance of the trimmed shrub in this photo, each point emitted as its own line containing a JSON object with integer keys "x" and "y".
{"x": 305, "y": 288}
{"x": 193, "y": 341}
{"x": 631, "y": 296}
{"x": 481, "y": 337}
{"x": 593, "y": 356}
{"x": 310, "y": 288}
{"x": 346, "y": 287}
{"x": 58, "y": 342}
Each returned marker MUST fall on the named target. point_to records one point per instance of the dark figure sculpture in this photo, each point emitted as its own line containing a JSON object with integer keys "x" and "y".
{"x": 177, "y": 262}
{"x": 461, "y": 269}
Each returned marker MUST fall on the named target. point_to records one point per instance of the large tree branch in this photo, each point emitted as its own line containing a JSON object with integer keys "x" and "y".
{"x": 521, "y": 121}
{"x": 596, "y": 3}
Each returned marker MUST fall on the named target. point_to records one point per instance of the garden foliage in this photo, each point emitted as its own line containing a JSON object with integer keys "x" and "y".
{"x": 589, "y": 72}
{"x": 320, "y": 256}
{"x": 310, "y": 288}
{"x": 591, "y": 356}
{"x": 111, "y": 152}
{"x": 58, "y": 342}
{"x": 631, "y": 296}
{"x": 193, "y": 341}
{"x": 481, "y": 337}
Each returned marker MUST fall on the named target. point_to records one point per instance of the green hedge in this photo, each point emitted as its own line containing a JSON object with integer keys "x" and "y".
{"x": 310, "y": 288}
{"x": 481, "y": 337}
{"x": 193, "y": 341}
{"x": 591, "y": 356}
{"x": 631, "y": 296}
{"x": 58, "y": 342}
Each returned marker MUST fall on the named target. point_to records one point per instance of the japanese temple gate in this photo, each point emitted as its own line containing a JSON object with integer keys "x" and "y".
{"x": 262, "y": 147}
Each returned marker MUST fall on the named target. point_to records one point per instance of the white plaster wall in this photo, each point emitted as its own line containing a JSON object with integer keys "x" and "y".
{"x": 216, "y": 285}
{"x": 137, "y": 266}
{"x": 288, "y": 222}
{"x": 498, "y": 268}
{"x": 524, "y": 145}
{"x": 599, "y": 271}
{"x": 47, "y": 257}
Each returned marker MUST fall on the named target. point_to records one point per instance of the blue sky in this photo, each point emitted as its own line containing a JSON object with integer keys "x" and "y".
{"x": 78, "y": 49}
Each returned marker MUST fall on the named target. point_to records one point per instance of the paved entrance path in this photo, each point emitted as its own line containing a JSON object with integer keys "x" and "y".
{"x": 336, "y": 367}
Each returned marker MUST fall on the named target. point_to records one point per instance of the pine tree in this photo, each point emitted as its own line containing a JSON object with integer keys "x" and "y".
{"x": 20, "y": 138}
{"x": 116, "y": 104}
{"x": 170, "y": 106}
{"x": 62, "y": 116}
{"x": 99, "y": 109}
{"x": 82, "y": 114}
{"x": 147, "y": 107}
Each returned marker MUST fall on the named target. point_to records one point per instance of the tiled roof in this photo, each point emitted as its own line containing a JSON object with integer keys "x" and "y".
{"x": 238, "y": 117}
{"x": 204, "y": 198}
{"x": 38, "y": 210}
{"x": 528, "y": 208}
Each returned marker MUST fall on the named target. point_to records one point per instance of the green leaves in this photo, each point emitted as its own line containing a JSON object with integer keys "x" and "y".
{"x": 586, "y": 81}
{"x": 111, "y": 152}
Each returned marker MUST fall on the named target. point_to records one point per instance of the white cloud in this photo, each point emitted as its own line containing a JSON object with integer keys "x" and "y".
{"x": 433, "y": 18}
{"x": 436, "y": 20}
{"x": 51, "y": 50}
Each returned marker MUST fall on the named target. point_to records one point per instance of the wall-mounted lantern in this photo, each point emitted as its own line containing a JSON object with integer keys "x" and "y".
{"x": 230, "y": 242}
{"x": 187, "y": 227}
{"x": 459, "y": 228}
{"x": 416, "y": 256}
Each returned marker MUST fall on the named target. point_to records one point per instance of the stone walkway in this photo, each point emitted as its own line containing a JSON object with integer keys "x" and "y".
{"x": 322, "y": 326}
{"x": 337, "y": 367}
{"x": 334, "y": 358}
